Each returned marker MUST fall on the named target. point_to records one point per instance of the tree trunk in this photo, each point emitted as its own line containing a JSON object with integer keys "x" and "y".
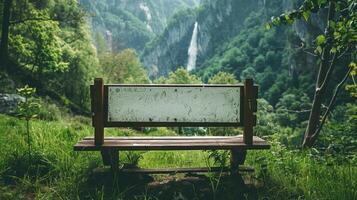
{"x": 321, "y": 82}
{"x": 4, "y": 42}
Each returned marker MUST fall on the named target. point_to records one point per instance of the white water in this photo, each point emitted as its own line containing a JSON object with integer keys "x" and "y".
{"x": 148, "y": 16}
{"x": 192, "y": 50}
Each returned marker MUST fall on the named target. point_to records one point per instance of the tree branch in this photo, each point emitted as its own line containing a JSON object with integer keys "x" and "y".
{"x": 305, "y": 50}
{"x": 343, "y": 53}
{"x": 332, "y": 101}
{"x": 328, "y": 73}
{"x": 310, "y": 53}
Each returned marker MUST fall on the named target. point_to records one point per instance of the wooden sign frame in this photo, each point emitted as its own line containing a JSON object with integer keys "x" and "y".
{"x": 99, "y": 106}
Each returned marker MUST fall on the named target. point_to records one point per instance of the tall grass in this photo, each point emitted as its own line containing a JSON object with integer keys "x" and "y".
{"x": 298, "y": 174}
{"x": 57, "y": 172}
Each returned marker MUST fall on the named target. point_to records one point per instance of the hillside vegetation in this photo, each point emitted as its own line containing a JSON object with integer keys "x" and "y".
{"x": 302, "y": 54}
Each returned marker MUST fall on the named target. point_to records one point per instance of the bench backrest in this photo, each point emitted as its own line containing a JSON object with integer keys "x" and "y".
{"x": 152, "y": 105}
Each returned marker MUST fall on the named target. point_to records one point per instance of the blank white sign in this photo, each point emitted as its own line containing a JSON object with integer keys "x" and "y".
{"x": 174, "y": 104}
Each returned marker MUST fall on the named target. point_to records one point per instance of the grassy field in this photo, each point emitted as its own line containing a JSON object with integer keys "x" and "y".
{"x": 55, "y": 171}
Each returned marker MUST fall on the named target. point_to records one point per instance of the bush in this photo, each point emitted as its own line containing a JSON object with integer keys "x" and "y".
{"x": 50, "y": 111}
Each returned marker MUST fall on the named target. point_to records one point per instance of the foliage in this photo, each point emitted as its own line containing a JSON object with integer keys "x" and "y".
{"x": 352, "y": 88}
{"x": 57, "y": 50}
{"x": 292, "y": 109}
{"x": 339, "y": 135}
{"x": 28, "y": 110}
{"x": 343, "y": 26}
{"x": 256, "y": 53}
{"x": 308, "y": 174}
{"x": 338, "y": 39}
{"x": 180, "y": 76}
{"x": 223, "y": 78}
{"x": 49, "y": 42}
{"x": 122, "y": 25}
{"x": 123, "y": 67}
{"x": 37, "y": 48}
{"x": 60, "y": 173}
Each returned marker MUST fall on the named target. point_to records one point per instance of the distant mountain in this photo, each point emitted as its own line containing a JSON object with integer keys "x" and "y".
{"x": 218, "y": 21}
{"x": 131, "y": 23}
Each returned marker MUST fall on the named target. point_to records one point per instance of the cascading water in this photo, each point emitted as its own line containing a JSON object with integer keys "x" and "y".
{"x": 192, "y": 50}
{"x": 148, "y": 16}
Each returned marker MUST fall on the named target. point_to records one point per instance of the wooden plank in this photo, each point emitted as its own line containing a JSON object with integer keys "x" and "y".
{"x": 91, "y": 147}
{"x": 188, "y": 142}
{"x": 88, "y": 145}
{"x": 98, "y": 111}
{"x": 185, "y": 170}
{"x": 255, "y": 138}
{"x": 177, "y": 85}
{"x": 171, "y": 124}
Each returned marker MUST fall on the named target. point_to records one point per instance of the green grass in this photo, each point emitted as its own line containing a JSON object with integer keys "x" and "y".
{"x": 57, "y": 172}
{"x": 296, "y": 174}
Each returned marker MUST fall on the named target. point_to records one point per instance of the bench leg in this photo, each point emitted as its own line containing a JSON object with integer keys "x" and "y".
{"x": 237, "y": 158}
{"x": 111, "y": 157}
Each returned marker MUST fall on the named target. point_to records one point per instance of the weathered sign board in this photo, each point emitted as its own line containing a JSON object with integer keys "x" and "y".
{"x": 193, "y": 104}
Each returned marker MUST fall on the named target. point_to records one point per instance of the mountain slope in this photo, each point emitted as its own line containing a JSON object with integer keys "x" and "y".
{"x": 218, "y": 21}
{"x": 131, "y": 23}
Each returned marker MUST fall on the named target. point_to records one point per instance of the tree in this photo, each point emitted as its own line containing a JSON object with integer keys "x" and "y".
{"x": 180, "y": 76}
{"x": 28, "y": 110}
{"x": 223, "y": 78}
{"x": 338, "y": 41}
{"x": 4, "y": 40}
{"x": 248, "y": 73}
{"x": 47, "y": 44}
{"x": 123, "y": 67}
{"x": 37, "y": 47}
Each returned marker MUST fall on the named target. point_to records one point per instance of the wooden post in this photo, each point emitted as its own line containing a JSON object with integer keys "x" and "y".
{"x": 98, "y": 113}
{"x": 248, "y": 113}
{"x": 237, "y": 158}
{"x": 111, "y": 157}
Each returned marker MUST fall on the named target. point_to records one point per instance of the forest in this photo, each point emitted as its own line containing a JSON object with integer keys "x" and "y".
{"x": 301, "y": 53}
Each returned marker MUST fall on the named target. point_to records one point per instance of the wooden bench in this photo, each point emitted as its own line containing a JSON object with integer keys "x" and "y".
{"x": 153, "y": 105}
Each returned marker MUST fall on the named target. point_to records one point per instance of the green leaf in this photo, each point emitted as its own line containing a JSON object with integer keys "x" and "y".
{"x": 318, "y": 50}
{"x": 333, "y": 50}
{"x": 287, "y": 17}
{"x": 267, "y": 26}
{"x": 306, "y": 15}
{"x": 320, "y": 39}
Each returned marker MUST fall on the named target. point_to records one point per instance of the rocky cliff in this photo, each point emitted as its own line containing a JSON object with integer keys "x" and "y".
{"x": 218, "y": 21}
{"x": 131, "y": 23}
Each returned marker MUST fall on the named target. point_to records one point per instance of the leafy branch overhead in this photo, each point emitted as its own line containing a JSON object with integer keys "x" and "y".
{"x": 342, "y": 26}
{"x": 339, "y": 40}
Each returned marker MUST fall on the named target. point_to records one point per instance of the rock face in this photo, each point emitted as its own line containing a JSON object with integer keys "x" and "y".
{"x": 219, "y": 20}
{"x": 170, "y": 48}
{"x": 9, "y": 102}
{"x": 132, "y": 23}
{"x": 306, "y": 31}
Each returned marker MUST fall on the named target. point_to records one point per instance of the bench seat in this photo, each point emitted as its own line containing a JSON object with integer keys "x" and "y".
{"x": 172, "y": 143}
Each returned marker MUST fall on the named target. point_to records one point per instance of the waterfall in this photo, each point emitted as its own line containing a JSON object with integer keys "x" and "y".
{"x": 148, "y": 16}
{"x": 192, "y": 50}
